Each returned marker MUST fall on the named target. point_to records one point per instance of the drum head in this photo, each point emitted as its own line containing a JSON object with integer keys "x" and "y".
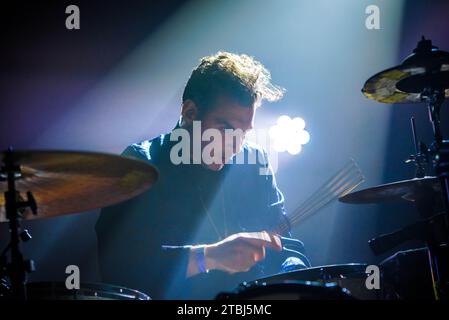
{"x": 87, "y": 291}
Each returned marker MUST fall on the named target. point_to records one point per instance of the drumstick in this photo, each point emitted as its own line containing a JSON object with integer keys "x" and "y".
{"x": 341, "y": 183}
{"x": 323, "y": 201}
{"x": 341, "y": 187}
{"x": 323, "y": 193}
{"x": 345, "y": 189}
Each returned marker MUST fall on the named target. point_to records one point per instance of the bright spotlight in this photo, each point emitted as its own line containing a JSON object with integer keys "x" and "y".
{"x": 288, "y": 135}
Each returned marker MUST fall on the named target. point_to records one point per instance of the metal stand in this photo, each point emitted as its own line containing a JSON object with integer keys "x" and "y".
{"x": 440, "y": 155}
{"x": 18, "y": 268}
{"x": 433, "y": 229}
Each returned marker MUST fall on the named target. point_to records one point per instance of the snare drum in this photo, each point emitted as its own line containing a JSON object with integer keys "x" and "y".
{"x": 87, "y": 291}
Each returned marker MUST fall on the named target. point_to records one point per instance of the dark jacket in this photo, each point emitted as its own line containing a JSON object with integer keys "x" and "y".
{"x": 141, "y": 241}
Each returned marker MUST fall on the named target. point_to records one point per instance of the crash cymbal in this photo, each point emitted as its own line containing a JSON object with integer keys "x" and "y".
{"x": 64, "y": 182}
{"x": 409, "y": 190}
{"x": 427, "y": 67}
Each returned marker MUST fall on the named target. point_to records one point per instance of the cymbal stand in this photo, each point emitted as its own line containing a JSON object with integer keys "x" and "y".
{"x": 439, "y": 151}
{"x": 18, "y": 268}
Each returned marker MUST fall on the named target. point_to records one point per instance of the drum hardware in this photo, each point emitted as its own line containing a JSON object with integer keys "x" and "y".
{"x": 312, "y": 283}
{"x": 408, "y": 273}
{"x": 422, "y": 190}
{"x": 420, "y": 158}
{"x": 430, "y": 231}
{"x": 18, "y": 268}
{"x": 422, "y": 77}
{"x": 287, "y": 290}
{"x": 61, "y": 183}
{"x": 87, "y": 291}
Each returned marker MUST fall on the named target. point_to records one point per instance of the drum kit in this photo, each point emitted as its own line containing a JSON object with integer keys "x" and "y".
{"x": 59, "y": 183}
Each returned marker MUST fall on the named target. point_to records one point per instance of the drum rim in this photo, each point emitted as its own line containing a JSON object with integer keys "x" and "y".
{"x": 88, "y": 289}
{"x": 362, "y": 267}
{"x": 329, "y": 291}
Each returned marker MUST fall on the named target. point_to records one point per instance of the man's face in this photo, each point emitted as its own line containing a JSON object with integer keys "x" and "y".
{"x": 228, "y": 115}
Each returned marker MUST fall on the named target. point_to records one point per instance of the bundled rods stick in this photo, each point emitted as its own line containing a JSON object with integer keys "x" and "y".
{"x": 343, "y": 182}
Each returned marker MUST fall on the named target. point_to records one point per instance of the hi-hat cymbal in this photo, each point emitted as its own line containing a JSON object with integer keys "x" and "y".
{"x": 409, "y": 190}
{"x": 64, "y": 182}
{"x": 427, "y": 67}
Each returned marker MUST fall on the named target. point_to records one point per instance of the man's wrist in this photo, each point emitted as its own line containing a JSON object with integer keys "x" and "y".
{"x": 209, "y": 262}
{"x": 199, "y": 258}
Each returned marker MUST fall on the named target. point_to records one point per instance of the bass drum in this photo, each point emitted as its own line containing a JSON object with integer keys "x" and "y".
{"x": 351, "y": 278}
{"x": 87, "y": 291}
{"x": 409, "y": 273}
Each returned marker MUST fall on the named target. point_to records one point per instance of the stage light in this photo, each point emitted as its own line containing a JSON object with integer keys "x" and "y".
{"x": 288, "y": 135}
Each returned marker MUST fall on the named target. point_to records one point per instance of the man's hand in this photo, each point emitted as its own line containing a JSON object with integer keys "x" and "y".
{"x": 237, "y": 253}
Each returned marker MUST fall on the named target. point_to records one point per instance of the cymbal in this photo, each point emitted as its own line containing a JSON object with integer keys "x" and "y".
{"x": 64, "y": 182}
{"x": 409, "y": 190}
{"x": 426, "y": 67}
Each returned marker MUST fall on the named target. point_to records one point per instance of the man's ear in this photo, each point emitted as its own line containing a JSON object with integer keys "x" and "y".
{"x": 189, "y": 112}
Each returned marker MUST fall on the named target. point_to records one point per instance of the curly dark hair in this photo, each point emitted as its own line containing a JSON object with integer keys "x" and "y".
{"x": 238, "y": 77}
